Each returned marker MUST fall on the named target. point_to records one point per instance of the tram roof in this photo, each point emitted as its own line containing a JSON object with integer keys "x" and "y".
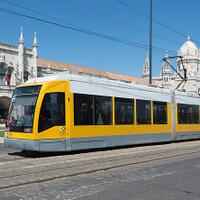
{"x": 65, "y": 76}
{"x": 94, "y": 85}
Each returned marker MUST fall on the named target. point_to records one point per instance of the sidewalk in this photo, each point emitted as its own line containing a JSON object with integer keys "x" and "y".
{"x": 1, "y": 140}
{"x": 2, "y": 127}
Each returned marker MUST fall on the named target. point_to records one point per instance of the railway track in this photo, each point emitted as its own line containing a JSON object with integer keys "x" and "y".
{"x": 25, "y": 171}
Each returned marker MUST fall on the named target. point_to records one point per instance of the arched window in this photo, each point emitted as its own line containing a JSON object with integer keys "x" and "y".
{"x": 4, "y": 106}
{"x": 26, "y": 75}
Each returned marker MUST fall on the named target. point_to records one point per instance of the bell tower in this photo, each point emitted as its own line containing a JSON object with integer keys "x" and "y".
{"x": 145, "y": 73}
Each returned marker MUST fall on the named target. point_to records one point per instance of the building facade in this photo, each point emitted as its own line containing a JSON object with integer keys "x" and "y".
{"x": 190, "y": 62}
{"x": 17, "y": 64}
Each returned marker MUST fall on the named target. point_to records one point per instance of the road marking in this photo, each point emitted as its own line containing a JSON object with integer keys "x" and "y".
{"x": 161, "y": 174}
{"x": 197, "y": 166}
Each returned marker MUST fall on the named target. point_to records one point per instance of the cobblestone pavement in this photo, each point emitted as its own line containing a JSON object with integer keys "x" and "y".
{"x": 169, "y": 171}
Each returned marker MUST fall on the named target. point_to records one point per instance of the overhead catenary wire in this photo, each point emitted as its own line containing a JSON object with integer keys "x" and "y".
{"x": 130, "y": 7}
{"x": 114, "y": 19}
{"x": 86, "y": 31}
{"x": 48, "y": 16}
{"x": 37, "y": 12}
{"x": 120, "y": 21}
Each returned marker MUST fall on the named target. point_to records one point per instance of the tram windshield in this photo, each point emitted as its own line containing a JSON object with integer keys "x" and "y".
{"x": 20, "y": 117}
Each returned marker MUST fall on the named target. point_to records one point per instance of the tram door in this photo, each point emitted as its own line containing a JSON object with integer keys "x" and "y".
{"x": 52, "y": 122}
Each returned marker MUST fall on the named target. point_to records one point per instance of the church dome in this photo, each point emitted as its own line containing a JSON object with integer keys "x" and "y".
{"x": 189, "y": 48}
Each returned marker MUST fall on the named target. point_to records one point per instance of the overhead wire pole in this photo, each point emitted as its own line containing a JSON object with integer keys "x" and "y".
{"x": 150, "y": 44}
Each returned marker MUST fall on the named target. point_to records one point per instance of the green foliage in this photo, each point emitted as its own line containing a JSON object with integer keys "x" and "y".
{"x": 1, "y": 133}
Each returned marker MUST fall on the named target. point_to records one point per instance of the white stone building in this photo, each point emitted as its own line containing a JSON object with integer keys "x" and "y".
{"x": 17, "y": 64}
{"x": 168, "y": 78}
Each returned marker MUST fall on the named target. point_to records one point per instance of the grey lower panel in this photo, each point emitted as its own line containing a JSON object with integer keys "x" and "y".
{"x": 36, "y": 145}
{"x": 110, "y": 141}
{"x": 32, "y": 145}
{"x": 53, "y": 145}
{"x": 70, "y": 144}
{"x": 187, "y": 135}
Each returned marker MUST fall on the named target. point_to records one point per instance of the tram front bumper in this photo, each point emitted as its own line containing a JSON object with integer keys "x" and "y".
{"x": 55, "y": 145}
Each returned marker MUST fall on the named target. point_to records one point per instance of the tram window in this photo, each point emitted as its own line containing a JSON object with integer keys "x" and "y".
{"x": 143, "y": 109}
{"x": 188, "y": 114}
{"x": 83, "y": 109}
{"x": 90, "y": 110}
{"x": 103, "y": 110}
{"x": 182, "y": 114}
{"x": 194, "y": 114}
{"x": 159, "y": 112}
{"x": 124, "y": 111}
{"x": 52, "y": 111}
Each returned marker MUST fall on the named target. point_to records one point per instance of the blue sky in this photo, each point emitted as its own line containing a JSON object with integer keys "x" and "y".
{"x": 100, "y": 16}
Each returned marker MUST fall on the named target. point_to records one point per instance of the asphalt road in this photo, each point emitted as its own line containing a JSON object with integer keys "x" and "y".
{"x": 3, "y": 149}
{"x": 175, "y": 178}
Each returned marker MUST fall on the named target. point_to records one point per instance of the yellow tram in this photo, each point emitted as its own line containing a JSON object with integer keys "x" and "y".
{"x": 67, "y": 112}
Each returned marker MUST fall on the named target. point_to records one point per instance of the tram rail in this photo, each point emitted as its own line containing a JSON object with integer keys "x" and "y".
{"x": 37, "y": 170}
